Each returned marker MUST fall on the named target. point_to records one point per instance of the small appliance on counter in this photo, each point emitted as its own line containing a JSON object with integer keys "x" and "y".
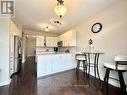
{"x": 60, "y": 43}
{"x": 67, "y": 51}
{"x": 55, "y": 49}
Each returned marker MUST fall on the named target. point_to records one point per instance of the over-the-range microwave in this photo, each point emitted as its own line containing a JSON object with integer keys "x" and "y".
{"x": 60, "y": 43}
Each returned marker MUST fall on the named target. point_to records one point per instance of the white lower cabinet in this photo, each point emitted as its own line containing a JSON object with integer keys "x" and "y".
{"x": 55, "y": 63}
{"x": 50, "y": 64}
{"x": 63, "y": 62}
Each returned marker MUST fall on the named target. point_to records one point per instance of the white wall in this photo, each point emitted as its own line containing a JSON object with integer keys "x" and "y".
{"x": 4, "y": 51}
{"x": 7, "y": 31}
{"x": 112, "y": 39}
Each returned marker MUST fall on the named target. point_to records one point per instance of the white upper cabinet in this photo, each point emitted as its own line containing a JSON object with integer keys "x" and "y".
{"x": 68, "y": 38}
{"x": 40, "y": 41}
{"x": 51, "y": 41}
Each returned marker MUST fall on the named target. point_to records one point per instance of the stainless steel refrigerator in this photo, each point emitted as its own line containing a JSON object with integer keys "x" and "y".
{"x": 17, "y": 55}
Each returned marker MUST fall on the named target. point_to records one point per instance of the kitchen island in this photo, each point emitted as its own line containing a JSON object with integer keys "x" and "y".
{"x": 51, "y": 63}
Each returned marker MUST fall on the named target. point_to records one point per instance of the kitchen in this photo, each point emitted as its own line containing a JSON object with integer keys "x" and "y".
{"x": 45, "y": 45}
{"x": 55, "y": 54}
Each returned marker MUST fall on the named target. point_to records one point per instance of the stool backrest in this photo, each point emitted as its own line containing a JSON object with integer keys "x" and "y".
{"x": 80, "y": 56}
{"x": 121, "y": 58}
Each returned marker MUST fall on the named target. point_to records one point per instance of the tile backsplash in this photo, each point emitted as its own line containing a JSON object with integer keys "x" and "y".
{"x": 60, "y": 49}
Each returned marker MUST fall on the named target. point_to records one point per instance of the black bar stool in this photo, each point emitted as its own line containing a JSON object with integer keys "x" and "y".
{"x": 81, "y": 58}
{"x": 120, "y": 65}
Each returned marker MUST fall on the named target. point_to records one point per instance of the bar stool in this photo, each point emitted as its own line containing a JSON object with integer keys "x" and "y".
{"x": 81, "y": 58}
{"x": 120, "y": 65}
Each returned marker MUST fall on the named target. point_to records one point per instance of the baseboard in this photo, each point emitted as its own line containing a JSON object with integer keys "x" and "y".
{"x": 111, "y": 81}
{"x": 5, "y": 83}
{"x": 114, "y": 83}
{"x": 53, "y": 74}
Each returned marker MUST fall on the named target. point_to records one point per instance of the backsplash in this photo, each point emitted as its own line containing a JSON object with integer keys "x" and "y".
{"x": 60, "y": 49}
{"x": 45, "y": 49}
{"x": 64, "y": 49}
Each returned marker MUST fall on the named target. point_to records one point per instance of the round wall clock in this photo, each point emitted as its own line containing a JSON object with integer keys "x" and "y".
{"x": 96, "y": 27}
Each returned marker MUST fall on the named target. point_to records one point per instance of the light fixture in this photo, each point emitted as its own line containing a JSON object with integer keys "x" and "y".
{"x": 46, "y": 29}
{"x": 56, "y": 22}
{"x": 60, "y": 9}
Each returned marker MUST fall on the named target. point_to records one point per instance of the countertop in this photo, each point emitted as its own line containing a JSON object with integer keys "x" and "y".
{"x": 51, "y": 53}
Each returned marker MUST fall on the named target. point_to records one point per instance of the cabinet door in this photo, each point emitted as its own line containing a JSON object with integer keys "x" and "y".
{"x": 39, "y": 41}
{"x": 63, "y": 62}
{"x": 73, "y": 38}
{"x": 68, "y": 38}
{"x": 51, "y": 41}
{"x": 42, "y": 41}
{"x": 72, "y": 62}
{"x": 64, "y": 39}
{"x": 48, "y": 41}
{"x": 40, "y": 66}
{"x": 67, "y": 61}
{"x": 56, "y": 63}
{"x": 54, "y": 41}
{"x": 48, "y": 64}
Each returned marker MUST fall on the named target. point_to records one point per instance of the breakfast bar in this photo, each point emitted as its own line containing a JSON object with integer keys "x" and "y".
{"x": 51, "y": 63}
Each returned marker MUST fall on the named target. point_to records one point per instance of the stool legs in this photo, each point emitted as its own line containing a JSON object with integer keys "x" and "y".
{"x": 121, "y": 79}
{"x": 84, "y": 66}
{"x": 106, "y": 78}
{"x": 78, "y": 65}
{"x": 122, "y": 83}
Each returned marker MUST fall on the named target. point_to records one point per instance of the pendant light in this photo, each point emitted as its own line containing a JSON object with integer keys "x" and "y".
{"x": 60, "y": 9}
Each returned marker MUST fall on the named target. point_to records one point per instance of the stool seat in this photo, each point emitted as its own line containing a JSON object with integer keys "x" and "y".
{"x": 81, "y": 58}
{"x": 113, "y": 66}
{"x": 120, "y": 65}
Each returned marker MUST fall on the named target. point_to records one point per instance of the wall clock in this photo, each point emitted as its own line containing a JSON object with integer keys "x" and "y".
{"x": 96, "y": 27}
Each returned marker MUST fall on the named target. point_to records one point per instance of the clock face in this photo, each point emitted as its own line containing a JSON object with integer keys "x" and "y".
{"x": 96, "y": 27}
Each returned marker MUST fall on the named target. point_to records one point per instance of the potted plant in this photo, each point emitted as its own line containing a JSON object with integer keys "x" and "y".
{"x": 91, "y": 45}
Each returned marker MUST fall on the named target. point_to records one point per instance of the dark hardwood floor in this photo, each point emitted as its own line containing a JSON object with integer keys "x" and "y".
{"x": 25, "y": 83}
{"x": 66, "y": 83}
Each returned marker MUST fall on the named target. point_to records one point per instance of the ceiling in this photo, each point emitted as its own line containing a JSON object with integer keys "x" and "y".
{"x": 33, "y": 14}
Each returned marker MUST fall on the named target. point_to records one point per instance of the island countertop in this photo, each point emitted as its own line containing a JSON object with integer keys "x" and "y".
{"x": 51, "y": 53}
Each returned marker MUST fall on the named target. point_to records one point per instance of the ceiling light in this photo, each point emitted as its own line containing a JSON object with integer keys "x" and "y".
{"x": 56, "y": 22}
{"x": 60, "y": 9}
{"x": 46, "y": 29}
